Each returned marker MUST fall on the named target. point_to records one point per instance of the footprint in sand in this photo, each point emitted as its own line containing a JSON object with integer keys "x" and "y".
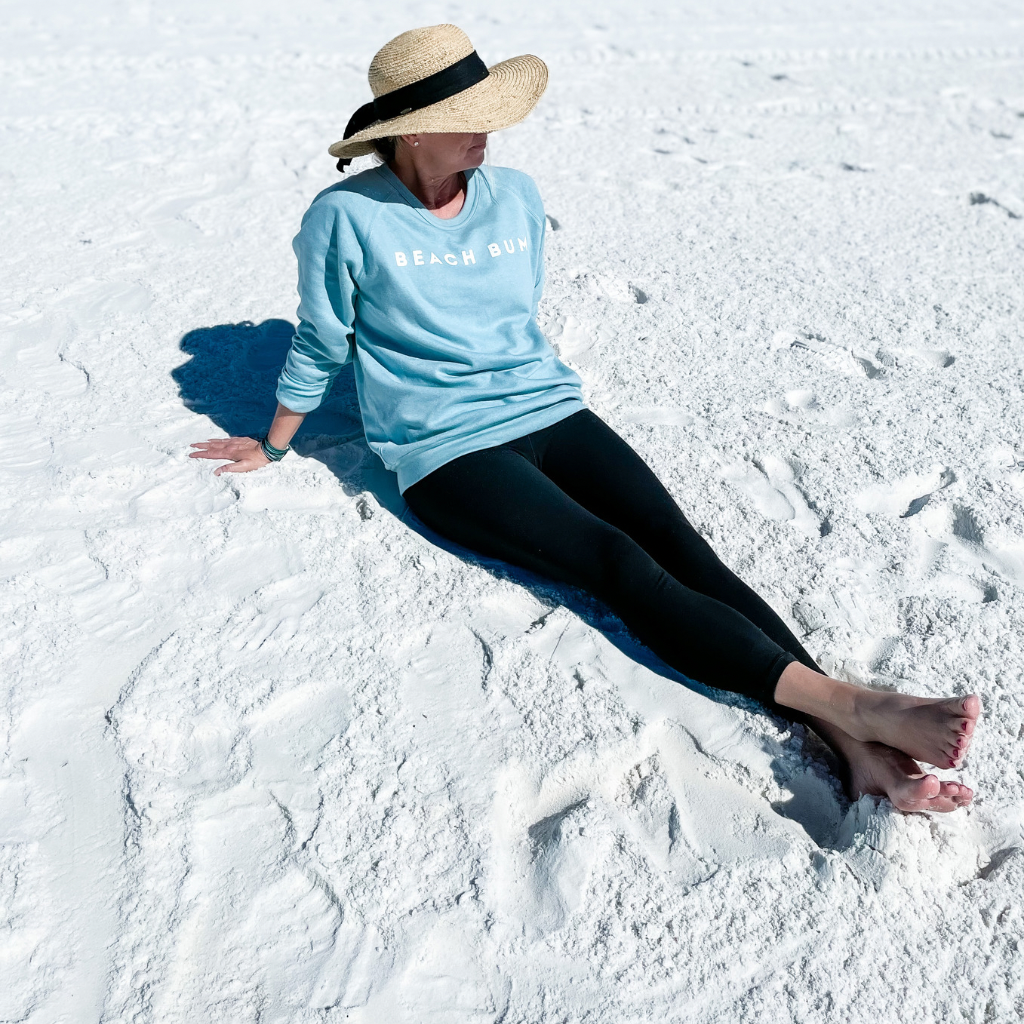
{"x": 839, "y": 357}
{"x": 803, "y": 406}
{"x": 185, "y": 492}
{"x": 103, "y": 301}
{"x": 572, "y": 340}
{"x": 654, "y": 800}
{"x": 33, "y": 357}
{"x": 658, "y": 416}
{"x": 108, "y": 609}
{"x": 907, "y": 496}
{"x": 607, "y": 286}
{"x": 548, "y": 836}
{"x": 934, "y": 358}
{"x": 998, "y": 555}
{"x": 956, "y": 555}
{"x": 276, "y": 612}
{"x": 770, "y": 485}
{"x": 561, "y": 858}
{"x": 647, "y": 803}
{"x": 166, "y": 216}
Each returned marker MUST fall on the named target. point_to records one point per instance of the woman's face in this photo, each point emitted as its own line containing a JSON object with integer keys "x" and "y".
{"x": 447, "y": 153}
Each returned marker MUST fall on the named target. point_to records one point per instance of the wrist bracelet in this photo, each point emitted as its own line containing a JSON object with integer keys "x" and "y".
{"x": 272, "y": 453}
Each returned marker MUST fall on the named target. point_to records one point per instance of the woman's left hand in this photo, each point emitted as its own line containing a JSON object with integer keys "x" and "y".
{"x": 244, "y": 453}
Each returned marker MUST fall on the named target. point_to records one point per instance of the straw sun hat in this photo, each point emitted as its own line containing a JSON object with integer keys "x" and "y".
{"x": 431, "y": 80}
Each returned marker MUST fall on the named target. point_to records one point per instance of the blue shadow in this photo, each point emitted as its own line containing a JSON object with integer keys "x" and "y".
{"x": 231, "y": 376}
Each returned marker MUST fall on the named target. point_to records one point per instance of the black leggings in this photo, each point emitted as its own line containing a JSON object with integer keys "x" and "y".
{"x": 575, "y": 503}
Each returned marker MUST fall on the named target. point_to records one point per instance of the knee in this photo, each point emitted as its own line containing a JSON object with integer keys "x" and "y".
{"x": 671, "y": 540}
{"x": 670, "y": 526}
{"x": 618, "y": 562}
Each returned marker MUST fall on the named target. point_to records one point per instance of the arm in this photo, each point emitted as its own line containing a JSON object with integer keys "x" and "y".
{"x": 245, "y": 452}
{"x": 321, "y": 346}
{"x": 535, "y": 208}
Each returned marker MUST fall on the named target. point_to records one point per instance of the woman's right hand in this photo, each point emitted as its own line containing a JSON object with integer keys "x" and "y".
{"x": 244, "y": 453}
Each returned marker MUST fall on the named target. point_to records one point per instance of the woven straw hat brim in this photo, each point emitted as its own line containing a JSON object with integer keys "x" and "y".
{"x": 504, "y": 98}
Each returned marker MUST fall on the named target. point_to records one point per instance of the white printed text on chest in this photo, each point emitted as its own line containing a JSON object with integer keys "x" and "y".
{"x": 495, "y": 249}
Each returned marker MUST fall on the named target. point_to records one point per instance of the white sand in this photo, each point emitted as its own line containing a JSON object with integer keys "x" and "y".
{"x": 271, "y": 755}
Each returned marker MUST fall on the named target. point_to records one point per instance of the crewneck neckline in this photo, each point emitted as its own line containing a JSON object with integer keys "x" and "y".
{"x": 410, "y": 198}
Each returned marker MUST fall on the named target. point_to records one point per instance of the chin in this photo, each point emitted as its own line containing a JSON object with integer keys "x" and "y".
{"x": 475, "y": 157}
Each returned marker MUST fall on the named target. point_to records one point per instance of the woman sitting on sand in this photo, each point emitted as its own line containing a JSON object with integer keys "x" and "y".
{"x": 426, "y": 271}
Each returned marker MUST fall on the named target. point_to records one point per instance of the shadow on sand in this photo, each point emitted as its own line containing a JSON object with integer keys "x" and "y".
{"x": 231, "y": 376}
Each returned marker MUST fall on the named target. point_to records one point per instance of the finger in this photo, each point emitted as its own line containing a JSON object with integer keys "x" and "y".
{"x": 225, "y": 444}
{"x": 235, "y": 467}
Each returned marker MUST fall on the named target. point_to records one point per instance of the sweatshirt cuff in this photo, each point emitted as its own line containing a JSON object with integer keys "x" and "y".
{"x": 299, "y": 397}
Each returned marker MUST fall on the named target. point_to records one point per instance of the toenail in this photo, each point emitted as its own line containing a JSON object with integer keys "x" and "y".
{"x": 963, "y": 724}
{"x": 952, "y": 764}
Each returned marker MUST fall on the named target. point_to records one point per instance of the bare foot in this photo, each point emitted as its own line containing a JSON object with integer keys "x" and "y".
{"x": 937, "y": 731}
{"x": 879, "y": 770}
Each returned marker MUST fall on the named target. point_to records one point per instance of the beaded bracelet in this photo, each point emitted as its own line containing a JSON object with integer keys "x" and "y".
{"x": 272, "y": 453}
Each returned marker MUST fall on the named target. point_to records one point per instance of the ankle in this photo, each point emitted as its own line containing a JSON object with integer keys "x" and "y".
{"x": 821, "y": 696}
{"x": 855, "y": 710}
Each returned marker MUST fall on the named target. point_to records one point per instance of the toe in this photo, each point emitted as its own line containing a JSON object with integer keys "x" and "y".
{"x": 971, "y": 706}
{"x": 947, "y": 799}
{"x": 967, "y": 726}
{"x": 915, "y": 793}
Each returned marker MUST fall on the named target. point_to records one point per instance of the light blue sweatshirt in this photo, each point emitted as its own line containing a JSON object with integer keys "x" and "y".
{"x": 439, "y": 317}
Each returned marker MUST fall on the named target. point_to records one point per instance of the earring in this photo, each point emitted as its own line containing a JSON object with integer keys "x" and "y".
{"x": 415, "y": 143}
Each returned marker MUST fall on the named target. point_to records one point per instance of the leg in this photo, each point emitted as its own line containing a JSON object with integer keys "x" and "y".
{"x": 596, "y": 467}
{"x": 497, "y": 502}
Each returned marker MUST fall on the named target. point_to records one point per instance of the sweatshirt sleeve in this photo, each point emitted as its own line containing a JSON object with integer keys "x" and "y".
{"x": 322, "y": 344}
{"x": 528, "y": 194}
{"x": 538, "y": 288}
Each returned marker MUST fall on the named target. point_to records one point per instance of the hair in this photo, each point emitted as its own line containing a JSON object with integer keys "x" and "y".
{"x": 386, "y": 147}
